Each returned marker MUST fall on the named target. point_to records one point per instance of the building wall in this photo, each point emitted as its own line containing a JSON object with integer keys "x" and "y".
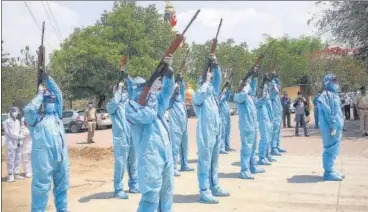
{"x": 293, "y": 93}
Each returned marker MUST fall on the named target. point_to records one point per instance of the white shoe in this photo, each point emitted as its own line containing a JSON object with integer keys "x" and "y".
{"x": 11, "y": 179}
{"x": 28, "y": 175}
{"x": 18, "y": 177}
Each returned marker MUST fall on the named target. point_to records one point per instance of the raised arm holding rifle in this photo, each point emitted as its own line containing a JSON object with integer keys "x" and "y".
{"x": 150, "y": 130}
{"x": 50, "y": 159}
{"x": 178, "y": 122}
{"x": 205, "y": 104}
{"x": 225, "y": 117}
{"x": 160, "y": 70}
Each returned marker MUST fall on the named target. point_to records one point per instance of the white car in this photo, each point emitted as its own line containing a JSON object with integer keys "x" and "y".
{"x": 103, "y": 119}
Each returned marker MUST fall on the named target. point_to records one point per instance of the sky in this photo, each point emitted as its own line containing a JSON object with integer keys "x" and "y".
{"x": 244, "y": 21}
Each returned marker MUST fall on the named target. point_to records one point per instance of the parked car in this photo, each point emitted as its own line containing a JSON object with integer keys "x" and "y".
{"x": 233, "y": 109}
{"x": 103, "y": 119}
{"x": 73, "y": 121}
{"x": 4, "y": 117}
{"x": 190, "y": 111}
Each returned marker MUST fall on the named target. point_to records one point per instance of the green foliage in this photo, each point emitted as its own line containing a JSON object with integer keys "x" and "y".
{"x": 88, "y": 62}
{"x": 18, "y": 79}
{"x": 347, "y": 21}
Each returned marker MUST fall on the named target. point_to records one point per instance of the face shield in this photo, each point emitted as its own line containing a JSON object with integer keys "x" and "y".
{"x": 49, "y": 102}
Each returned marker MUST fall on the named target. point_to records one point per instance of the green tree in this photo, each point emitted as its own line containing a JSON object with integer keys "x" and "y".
{"x": 347, "y": 21}
{"x": 18, "y": 80}
{"x": 88, "y": 62}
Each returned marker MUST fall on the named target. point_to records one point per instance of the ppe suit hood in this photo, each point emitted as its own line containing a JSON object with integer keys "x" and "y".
{"x": 330, "y": 82}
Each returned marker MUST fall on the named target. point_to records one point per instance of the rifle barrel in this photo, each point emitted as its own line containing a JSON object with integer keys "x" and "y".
{"x": 218, "y": 29}
{"x": 191, "y": 21}
{"x": 43, "y": 32}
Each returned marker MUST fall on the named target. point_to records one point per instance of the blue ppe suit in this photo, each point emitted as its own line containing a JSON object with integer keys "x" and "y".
{"x": 264, "y": 115}
{"x": 124, "y": 151}
{"x": 277, "y": 113}
{"x": 50, "y": 159}
{"x": 315, "y": 104}
{"x": 178, "y": 128}
{"x": 248, "y": 127}
{"x": 331, "y": 119}
{"x": 225, "y": 117}
{"x": 150, "y": 133}
{"x": 205, "y": 104}
{"x": 135, "y": 87}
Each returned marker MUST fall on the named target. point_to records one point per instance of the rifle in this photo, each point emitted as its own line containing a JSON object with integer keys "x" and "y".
{"x": 257, "y": 63}
{"x": 182, "y": 65}
{"x": 227, "y": 84}
{"x": 180, "y": 77}
{"x": 259, "y": 59}
{"x": 160, "y": 69}
{"x": 212, "y": 51}
{"x": 41, "y": 59}
{"x": 123, "y": 63}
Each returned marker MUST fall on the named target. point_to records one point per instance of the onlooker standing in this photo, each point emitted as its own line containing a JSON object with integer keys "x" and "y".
{"x": 90, "y": 119}
{"x": 299, "y": 104}
{"x": 355, "y": 106}
{"x": 286, "y": 102}
{"x": 347, "y": 103}
{"x": 363, "y": 111}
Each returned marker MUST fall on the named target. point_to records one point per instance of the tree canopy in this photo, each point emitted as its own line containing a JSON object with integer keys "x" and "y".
{"x": 347, "y": 21}
{"x": 87, "y": 64}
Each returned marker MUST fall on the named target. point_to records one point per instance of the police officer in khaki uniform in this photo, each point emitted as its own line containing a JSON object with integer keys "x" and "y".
{"x": 362, "y": 104}
{"x": 90, "y": 119}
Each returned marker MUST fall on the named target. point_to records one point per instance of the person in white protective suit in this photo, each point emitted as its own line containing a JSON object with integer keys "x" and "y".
{"x": 13, "y": 144}
{"x": 26, "y": 149}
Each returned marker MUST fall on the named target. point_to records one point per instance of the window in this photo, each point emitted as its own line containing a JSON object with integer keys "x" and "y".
{"x": 67, "y": 114}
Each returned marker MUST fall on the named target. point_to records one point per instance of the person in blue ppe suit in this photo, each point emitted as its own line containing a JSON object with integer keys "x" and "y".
{"x": 124, "y": 151}
{"x": 248, "y": 125}
{"x": 50, "y": 159}
{"x": 316, "y": 120}
{"x": 271, "y": 115}
{"x": 225, "y": 117}
{"x": 264, "y": 115}
{"x": 277, "y": 113}
{"x": 135, "y": 87}
{"x": 150, "y": 133}
{"x": 205, "y": 104}
{"x": 331, "y": 125}
{"x": 178, "y": 126}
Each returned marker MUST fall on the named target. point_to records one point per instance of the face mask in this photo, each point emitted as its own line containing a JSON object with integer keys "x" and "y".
{"x": 14, "y": 114}
{"x": 49, "y": 108}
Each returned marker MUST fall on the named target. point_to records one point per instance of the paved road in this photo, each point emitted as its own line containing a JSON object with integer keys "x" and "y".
{"x": 291, "y": 184}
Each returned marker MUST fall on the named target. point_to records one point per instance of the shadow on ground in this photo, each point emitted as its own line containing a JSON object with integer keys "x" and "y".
{"x": 229, "y": 175}
{"x": 83, "y": 142}
{"x": 305, "y": 179}
{"x": 102, "y": 195}
{"x": 236, "y": 163}
{"x": 191, "y": 198}
{"x": 192, "y": 161}
{"x": 352, "y": 129}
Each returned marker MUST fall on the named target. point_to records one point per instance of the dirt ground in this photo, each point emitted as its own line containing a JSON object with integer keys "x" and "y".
{"x": 291, "y": 184}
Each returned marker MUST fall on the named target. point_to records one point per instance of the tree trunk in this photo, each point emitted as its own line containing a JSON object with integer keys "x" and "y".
{"x": 101, "y": 100}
